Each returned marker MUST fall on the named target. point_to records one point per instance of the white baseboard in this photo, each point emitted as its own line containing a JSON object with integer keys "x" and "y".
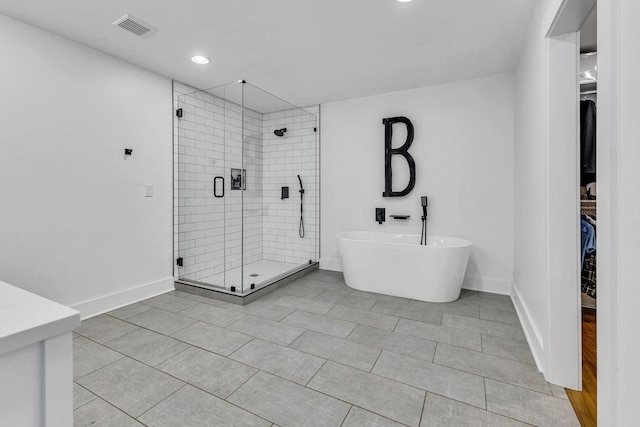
{"x": 333, "y": 264}
{"x": 494, "y": 285}
{"x": 110, "y": 302}
{"x": 531, "y": 331}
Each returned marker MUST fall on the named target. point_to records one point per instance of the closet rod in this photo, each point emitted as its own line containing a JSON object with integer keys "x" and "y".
{"x": 588, "y": 92}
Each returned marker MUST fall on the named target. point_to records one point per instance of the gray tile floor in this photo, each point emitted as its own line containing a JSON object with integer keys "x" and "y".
{"x": 314, "y": 353}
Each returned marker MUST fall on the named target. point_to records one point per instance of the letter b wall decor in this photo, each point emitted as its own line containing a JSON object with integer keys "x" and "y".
{"x": 402, "y": 151}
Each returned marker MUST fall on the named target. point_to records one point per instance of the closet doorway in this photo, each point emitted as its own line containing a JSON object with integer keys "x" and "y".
{"x": 563, "y": 348}
{"x": 585, "y": 402}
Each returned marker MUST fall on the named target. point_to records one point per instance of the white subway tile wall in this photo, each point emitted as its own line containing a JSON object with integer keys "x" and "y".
{"x": 209, "y": 231}
{"x": 295, "y": 153}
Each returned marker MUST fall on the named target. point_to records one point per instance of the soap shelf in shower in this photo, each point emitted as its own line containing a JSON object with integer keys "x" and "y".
{"x": 400, "y": 216}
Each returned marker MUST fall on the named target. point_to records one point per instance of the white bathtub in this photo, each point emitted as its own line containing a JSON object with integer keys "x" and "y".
{"x": 396, "y": 264}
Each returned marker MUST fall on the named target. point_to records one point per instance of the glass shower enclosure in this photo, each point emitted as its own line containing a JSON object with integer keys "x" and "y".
{"x": 246, "y": 188}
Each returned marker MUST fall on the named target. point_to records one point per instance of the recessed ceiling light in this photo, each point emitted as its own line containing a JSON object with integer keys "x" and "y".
{"x": 200, "y": 59}
{"x": 403, "y": 1}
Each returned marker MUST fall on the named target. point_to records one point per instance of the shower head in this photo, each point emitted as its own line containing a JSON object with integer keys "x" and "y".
{"x": 280, "y": 132}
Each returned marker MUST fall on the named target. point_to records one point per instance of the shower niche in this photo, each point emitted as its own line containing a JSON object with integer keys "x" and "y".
{"x": 233, "y": 244}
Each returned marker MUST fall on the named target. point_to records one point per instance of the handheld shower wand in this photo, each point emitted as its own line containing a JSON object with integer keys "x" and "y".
{"x": 301, "y": 228}
{"x": 423, "y": 237}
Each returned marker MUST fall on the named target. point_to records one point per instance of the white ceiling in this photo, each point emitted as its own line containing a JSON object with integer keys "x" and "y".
{"x": 305, "y": 51}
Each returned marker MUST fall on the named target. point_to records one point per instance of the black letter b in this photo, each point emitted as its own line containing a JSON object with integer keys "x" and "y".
{"x": 403, "y": 151}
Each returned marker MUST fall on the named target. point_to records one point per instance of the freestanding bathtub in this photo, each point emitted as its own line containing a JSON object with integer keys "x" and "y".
{"x": 396, "y": 264}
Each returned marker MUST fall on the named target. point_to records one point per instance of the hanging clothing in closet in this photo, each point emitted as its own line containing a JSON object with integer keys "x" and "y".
{"x": 588, "y": 237}
{"x": 588, "y": 274}
{"x": 588, "y": 196}
{"x": 587, "y": 142}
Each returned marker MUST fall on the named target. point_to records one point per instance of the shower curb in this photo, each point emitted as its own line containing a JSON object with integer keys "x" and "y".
{"x": 239, "y": 299}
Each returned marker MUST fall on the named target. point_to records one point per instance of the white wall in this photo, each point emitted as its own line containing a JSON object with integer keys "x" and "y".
{"x": 546, "y": 266}
{"x": 618, "y": 212}
{"x": 530, "y": 180}
{"x": 76, "y": 226}
{"x": 618, "y": 203}
{"x": 463, "y": 149}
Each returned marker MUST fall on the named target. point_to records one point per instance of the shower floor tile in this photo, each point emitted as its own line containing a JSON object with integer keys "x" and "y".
{"x": 257, "y": 272}
{"x": 314, "y": 352}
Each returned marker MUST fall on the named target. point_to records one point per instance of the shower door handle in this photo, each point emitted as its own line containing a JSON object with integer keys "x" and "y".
{"x": 215, "y": 186}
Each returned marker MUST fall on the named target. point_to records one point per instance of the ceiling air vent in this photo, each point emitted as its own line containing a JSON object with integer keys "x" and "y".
{"x": 134, "y": 25}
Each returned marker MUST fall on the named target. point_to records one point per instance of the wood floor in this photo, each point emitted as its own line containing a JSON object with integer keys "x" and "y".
{"x": 585, "y": 402}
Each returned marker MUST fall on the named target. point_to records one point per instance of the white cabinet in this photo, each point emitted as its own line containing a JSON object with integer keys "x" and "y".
{"x": 36, "y": 362}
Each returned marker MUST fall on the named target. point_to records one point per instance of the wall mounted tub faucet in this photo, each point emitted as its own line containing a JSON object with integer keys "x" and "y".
{"x": 423, "y": 237}
{"x": 380, "y": 215}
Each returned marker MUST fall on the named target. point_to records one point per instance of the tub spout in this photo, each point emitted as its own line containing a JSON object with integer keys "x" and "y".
{"x": 380, "y": 215}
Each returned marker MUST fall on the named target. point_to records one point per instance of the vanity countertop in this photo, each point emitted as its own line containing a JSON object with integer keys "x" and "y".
{"x": 26, "y": 318}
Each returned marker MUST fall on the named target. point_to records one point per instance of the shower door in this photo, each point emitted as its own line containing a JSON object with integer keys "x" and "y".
{"x": 208, "y": 205}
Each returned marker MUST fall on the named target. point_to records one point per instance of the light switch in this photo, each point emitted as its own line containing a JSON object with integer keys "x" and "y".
{"x": 148, "y": 190}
